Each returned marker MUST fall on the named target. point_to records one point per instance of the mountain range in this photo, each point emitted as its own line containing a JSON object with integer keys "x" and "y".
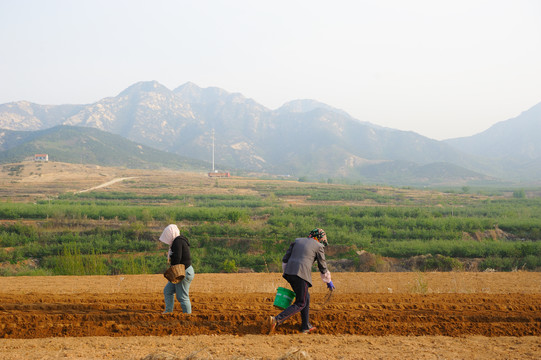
{"x": 302, "y": 138}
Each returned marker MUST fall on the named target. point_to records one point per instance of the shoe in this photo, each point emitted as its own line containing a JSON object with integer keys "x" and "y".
{"x": 272, "y": 324}
{"x": 308, "y": 331}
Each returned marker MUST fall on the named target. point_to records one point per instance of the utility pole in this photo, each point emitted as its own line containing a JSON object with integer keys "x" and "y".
{"x": 215, "y": 173}
{"x": 212, "y": 149}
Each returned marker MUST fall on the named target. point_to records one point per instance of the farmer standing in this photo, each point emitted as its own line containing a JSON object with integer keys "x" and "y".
{"x": 297, "y": 266}
{"x": 179, "y": 253}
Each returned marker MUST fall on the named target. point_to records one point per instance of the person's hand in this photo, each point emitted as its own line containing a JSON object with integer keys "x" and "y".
{"x": 330, "y": 286}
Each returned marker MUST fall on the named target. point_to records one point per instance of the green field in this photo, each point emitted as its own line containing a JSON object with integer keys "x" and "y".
{"x": 247, "y": 225}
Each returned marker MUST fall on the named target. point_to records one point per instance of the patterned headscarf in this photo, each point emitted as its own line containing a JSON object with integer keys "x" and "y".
{"x": 320, "y": 235}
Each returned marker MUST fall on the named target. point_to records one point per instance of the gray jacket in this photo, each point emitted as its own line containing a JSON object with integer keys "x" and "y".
{"x": 300, "y": 257}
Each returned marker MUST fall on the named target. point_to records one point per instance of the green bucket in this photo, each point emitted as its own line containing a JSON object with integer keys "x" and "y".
{"x": 284, "y": 298}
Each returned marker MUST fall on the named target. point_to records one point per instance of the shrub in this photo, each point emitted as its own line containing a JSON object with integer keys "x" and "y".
{"x": 441, "y": 263}
{"x": 229, "y": 266}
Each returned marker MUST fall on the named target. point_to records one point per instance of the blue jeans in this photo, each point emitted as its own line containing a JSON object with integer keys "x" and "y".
{"x": 182, "y": 289}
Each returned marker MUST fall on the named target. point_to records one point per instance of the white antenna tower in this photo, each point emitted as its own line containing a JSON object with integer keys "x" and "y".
{"x": 212, "y": 149}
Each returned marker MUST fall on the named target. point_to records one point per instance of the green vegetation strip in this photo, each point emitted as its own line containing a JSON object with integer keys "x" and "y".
{"x": 116, "y": 233}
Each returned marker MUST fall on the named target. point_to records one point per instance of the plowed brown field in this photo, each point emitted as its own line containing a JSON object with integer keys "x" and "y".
{"x": 408, "y": 311}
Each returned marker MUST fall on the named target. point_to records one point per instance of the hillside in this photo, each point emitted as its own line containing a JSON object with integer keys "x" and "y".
{"x": 83, "y": 145}
{"x": 513, "y": 139}
{"x": 514, "y": 142}
{"x": 408, "y": 173}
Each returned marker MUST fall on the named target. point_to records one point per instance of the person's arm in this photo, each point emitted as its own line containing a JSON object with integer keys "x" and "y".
{"x": 321, "y": 261}
{"x": 286, "y": 257}
{"x": 176, "y": 249}
{"x": 322, "y": 266}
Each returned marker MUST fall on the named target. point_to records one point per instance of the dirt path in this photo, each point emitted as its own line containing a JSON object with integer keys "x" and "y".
{"x": 277, "y": 347}
{"x": 106, "y": 184}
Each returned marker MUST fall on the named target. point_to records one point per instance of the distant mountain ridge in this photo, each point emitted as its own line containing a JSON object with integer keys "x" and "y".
{"x": 514, "y": 139}
{"x": 301, "y": 138}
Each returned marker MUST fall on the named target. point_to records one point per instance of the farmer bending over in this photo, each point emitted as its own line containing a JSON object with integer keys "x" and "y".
{"x": 297, "y": 266}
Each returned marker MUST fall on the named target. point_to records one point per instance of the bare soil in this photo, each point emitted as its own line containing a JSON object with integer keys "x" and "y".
{"x": 455, "y": 315}
{"x": 30, "y": 181}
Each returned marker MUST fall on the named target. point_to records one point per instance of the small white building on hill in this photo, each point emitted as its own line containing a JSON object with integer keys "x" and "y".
{"x": 41, "y": 157}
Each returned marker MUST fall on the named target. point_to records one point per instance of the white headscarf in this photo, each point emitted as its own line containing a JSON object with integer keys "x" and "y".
{"x": 168, "y": 235}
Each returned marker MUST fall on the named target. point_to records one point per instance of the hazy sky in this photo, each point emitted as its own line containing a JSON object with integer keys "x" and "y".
{"x": 443, "y": 69}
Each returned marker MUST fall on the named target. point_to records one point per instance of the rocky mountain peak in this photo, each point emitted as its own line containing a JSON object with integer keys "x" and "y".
{"x": 307, "y": 105}
{"x": 189, "y": 92}
{"x": 192, "y": 93}
{"x": 145, "y": 87}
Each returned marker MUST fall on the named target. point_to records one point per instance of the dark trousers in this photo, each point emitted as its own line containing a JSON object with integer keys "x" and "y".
{"x": 302, "y": 302}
